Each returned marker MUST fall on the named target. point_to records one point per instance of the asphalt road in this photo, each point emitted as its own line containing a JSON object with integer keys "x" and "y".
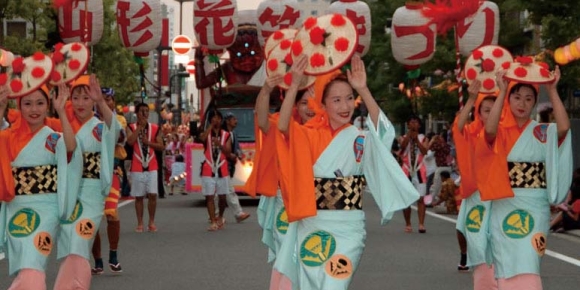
{"x": 183, "y": 255}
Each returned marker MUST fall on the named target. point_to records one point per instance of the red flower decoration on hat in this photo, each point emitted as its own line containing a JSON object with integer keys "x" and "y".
{"x": 317, "y": 60}
{"x": 288, "y": 59}
{"x": 310, "y": 22}
{"x": 341, "y": 44}
{"x": 471, "y": 73}
{"x": 76, "y": 47}
{"x": 278, "y": 35}
{"x": 16, "y": 85}
{"x": 487, "y": 65}
{"x": 74, "y": 64}
{"x": 57, "y": 57}
{"x": 337, "y": 20}
{"x": 506, "y": 65}
{"x": 38, "y": 56}
{"x": 544, "y": 65}
{"x": 55, "y": 76}
{"x": 285, "y": 44}
{"x": 288, "y": 79}
{"x": 544, "y": 73}
{"x": 273, "y": 64}
{"x": 58, "y": 46}
{"x": 477, "y": 54}
{"x": 488, "y": 84}
{"x": 37, "y": 72}
{"x": 524, "y": 60}
{"x": 18, "y": 65}
{"x": 497, "y": 52}
{"x": 521, "y": 72}
{"x": 317, "y": 35}
{"x": 297, "y": 48}
{"x": 3, "y": 79}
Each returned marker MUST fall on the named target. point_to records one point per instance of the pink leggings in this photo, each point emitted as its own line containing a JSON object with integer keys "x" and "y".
{"x": 484, "y": 278}
{"x": 521, "y": 282}
{"x": 29, "y": 279}
{"x": 279, "y": 281}
{"x": 74, "y": 274}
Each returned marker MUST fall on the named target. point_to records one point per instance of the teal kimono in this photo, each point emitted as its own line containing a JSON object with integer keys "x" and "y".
{"x": 97, "y": 143}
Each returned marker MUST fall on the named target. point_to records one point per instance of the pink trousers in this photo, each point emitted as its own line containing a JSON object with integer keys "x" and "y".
{"x": 521, "y": 282}
{"x": 74, "y": 274}
{"x": 29, "y": 279}
{"x": 484, "y": 278}
{"x": 279, "y": 281}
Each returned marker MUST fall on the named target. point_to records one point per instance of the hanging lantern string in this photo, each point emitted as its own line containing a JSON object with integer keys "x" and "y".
{"x": 458, "y": 70}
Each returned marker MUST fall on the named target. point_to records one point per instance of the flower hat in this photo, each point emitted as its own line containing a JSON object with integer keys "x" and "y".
{"x": 525, "y": 70}
{"x": 329, "y": 41}
{"x": 276, "y": 37}
{"x": 70, "y": 61}
{"x": 25, "y": 75}
{"x": 483, "y": 63}
{"x": 280, "y": 61}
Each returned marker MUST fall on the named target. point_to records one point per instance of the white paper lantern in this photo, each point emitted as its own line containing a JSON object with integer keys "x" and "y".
{"x": 139, "y": 24}
{"x": 360, "y": 14}
{"x": 480, "y": 29}
{"x": 215, "y": 23}
{"x": 81, "y": 21}
{"x": 412, "y": 42}
{"x": 274, "y": 15}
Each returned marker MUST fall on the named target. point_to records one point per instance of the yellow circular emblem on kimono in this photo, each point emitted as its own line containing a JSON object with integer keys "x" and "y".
{"x": 518, "y": 224}
{"x": 43, "y": 243}
{"x": 475, "y": 218}
{"x": 23, "y": 223}
{"x": 539, "y": 242}
{"x": 317, "y": 248}
{"x": 77, "y": 212}
{"x": 339, "y": 267}
{"x": 282, "y": 221}
{"x": 85, "y": 229}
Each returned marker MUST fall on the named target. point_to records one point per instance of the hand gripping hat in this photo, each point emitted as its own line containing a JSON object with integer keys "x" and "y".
{"x": 483, "y": 63}
{"x": 277, "y": 37}
{"x": 525, "y": 70}
{"x": 329, "y": 41}
{"x": 70, "y": 61}
{"x": 279, "y": 62}
{"x": 25, "y": 75}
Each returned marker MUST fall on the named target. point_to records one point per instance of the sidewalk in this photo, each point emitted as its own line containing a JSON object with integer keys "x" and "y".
{"x": 574, "y": 233}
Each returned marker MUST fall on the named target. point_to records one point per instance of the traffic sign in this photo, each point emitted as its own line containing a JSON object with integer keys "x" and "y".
{"x": 181, "y": 44}
{"x": 190, "y": 68}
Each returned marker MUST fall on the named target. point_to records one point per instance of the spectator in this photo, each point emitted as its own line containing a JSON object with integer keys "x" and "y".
{"x": 447, "y": 194}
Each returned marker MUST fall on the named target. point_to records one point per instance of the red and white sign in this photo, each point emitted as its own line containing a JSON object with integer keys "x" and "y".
{"x": 216, "y": 23}
{"x": 140, "y": 24}
{"x": 480, "y": 29}
{"x": 81, "y": 21}
{"x": 274, "y": 15}
{"x": 190, "y": 67}
{"x": 360, "y": 14}
{"x": 412, "y": 41}
{"x": 181, "y": 44}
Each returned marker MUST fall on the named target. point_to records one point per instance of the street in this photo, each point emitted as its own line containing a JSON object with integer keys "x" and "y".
{"x": 183, "y": 255}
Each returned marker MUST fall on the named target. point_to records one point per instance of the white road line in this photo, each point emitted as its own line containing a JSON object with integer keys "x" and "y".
{"x": 550, "y": 253}
{"x": 121, "y": 204}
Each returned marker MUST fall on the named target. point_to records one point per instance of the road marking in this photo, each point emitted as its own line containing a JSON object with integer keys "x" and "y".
{"x": 121, "y": 204}
{"x": 550, "y": 253}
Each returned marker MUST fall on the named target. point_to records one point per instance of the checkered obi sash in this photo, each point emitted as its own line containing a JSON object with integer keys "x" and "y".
{"x": 341, "y": 193}
{"x": 527, "y": 174}
{"x": 92, "y": 165}
{"x": 34, "y": 180}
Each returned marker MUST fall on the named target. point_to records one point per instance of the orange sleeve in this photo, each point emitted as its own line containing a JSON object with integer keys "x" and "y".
{"x": 6, "y": 181}
{"x": 464, "y": 150}
{"x": 264, "y": 176}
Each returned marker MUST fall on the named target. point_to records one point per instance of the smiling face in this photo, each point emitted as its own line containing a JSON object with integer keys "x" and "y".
{"x": 302, "y": 108}
{"x": 82, "y": 103}
{"x": 338, "y": 101}
{"x": 34, "y": 108}
{"x": 485, "y": 108}
{"x": 522, "y": 100}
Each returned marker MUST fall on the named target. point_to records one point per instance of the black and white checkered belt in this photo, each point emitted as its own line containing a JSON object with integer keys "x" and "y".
{"x": 527, "y": 174}
{"x": 341, "y": 193}
{"x": 34, "y": 180}
{"x": 92, "y": 165}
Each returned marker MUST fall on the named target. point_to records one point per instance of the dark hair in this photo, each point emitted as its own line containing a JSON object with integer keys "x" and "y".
{"x": 299, "y": 96}
{"x": 490, "y": 98}
{"x": 213, "y": 113}
{"x": 179, "y": 158}
{"x": 140, "y": 105}
{"x": 445, "y": 174}
{"x": 414, "y": 117}
{"x": 518, "y": 86}
{"x": 545, "y": 115}
{"x": 339, "y": 78}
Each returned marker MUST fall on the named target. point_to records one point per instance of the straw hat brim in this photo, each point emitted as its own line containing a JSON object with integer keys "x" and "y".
{"x": 279, "y": 62}
{"x": 329, "y": 41}
{"x": 532, "y": 73}
{"x": 483, "y": 63}
{"x": 36, "y": 72}
{"x": 74, "y": 63}
{"x": 278, "y": 36}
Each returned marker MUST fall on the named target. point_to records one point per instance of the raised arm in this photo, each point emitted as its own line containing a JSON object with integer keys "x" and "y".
{"x": 97, "y": 96}
{"x": 263, "y": 101}
{"x": 297, "y": 70}
{"x": 3, "y": 101}
{"x": 464, "y": 113}
{"x": 492, "y": 123}
{"x": 560, "y": 114}
{"x": 357, "y": 77}
{"x": 67, "y": 131}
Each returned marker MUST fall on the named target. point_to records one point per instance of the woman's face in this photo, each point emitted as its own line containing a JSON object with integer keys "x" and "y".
{"x": 82, "y": 103}
{"x": 522, "y": 102}
{"x": 303, "y": 111}
{"x": 339, "y": 103}
{"x": 34, "y": 108}
{"x": 484, "y": 109}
